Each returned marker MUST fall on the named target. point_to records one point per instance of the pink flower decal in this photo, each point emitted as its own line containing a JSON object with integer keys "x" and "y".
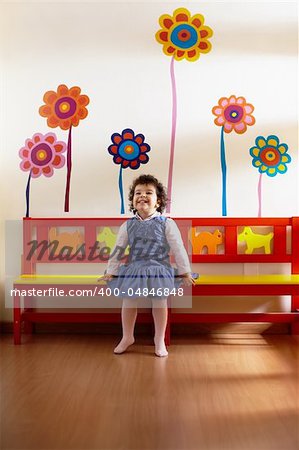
{"x": 42, "y": 154}
{"x": 233, "y": 113}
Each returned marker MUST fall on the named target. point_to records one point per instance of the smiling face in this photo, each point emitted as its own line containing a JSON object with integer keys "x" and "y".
{"x": 145, "y": 200}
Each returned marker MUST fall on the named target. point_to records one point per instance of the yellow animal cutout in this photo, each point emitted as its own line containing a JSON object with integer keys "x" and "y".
{"x": 70, "y": 240}
{"x": 254, "y": 240}
{"x": 109, "y": 238}
{"x": 206, "y": 239}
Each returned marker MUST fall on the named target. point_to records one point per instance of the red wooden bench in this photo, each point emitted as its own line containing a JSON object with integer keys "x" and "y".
{"x": 83, "y": 232}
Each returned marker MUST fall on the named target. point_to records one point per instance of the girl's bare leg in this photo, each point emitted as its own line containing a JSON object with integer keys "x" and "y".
{"x": 128, "y": 319}
{"x": 160, "y": 312}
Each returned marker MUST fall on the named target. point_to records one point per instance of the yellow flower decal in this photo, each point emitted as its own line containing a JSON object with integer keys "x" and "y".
{"x": 183, "y": 35}
{"x": 269, "y": 155}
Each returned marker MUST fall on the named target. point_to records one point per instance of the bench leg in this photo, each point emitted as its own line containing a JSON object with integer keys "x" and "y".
{"x": 28, "y": 326}
{"x": 295, "y": 310}
{"x": 17, "y": 319}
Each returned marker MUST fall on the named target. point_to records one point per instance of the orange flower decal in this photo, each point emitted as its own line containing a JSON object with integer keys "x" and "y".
{"x": 64, "y": 108}
{"x": 233, "y": 113}
{"x": 184, "y": 36}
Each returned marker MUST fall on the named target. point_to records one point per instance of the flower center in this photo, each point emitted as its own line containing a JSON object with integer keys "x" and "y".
{"x": 41, "y": 154}
{"x": 270, "y": 156}
{"x": 184, "y": 36}
{"x": 129, "y": 150}
{"x": 65, "y": 107}
{"x": 233, "y": 113}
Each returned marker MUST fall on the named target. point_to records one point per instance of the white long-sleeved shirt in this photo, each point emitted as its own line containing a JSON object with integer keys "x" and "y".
{"x": 174, "y": 240}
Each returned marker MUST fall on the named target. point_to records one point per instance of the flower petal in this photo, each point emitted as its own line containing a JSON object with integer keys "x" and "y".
{"x": 128, "y": 134}
{"x": 116, "y": 138}
{"x": 75, "y": 91}
{"x": 223, "y": 102}
{"x": 232, "y": 100}
{"x": 240, "y": 101}
{"x": 248, "y": 108}
{"x": 50, "y": 138}
{"x": 47, "y": 171}
{"x": 170, "y": 49}
{"x": 25, "y": 165}
{"x": 273, "y": 140}
{"x": 197, "y": 20}
{"x": 250, "y": 120}
{"x": 181, "y": 15}
{"x": 219, "y": 121}
{"x": 139, "y": 139}
{"x": 217, "y": 111}
{"x": 36, "y": 172}
{"x": 286, "y": 159}
{"x": 254, "y": 151}
{"x": 163, "y": 36}
{"x": 45, "y": 111}
{"x": 271, "y": 171}
{"x": 283, "y": 148}
{"x": 125, "y": 163}
{"x": 60, "y": 147}
{"x": 53, "y": 122}
{"x": 260, "y": 142}
{"x": 282, "y": 168}
{"x": 113, "y": 149}
{"x": 144, "y": 148}
{"x": 134, "y": 164}
{"x": 143, "y": 158}
{"x": 240, "y": 127}
{"x": 228, "y": 127}
{"x": 83, "y": 100}
{"x": 50, "y": 97}
{"x": 62, "y": 90}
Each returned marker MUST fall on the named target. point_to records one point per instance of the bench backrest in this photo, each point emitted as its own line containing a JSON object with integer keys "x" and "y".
{"x": 208, "y": 240}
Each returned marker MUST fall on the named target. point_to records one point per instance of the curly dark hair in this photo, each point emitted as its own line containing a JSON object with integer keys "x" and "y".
{"x": 160, "y": 191}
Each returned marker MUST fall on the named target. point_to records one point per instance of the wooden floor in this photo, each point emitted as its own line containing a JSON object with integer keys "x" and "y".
{"x": 236, "y": 392}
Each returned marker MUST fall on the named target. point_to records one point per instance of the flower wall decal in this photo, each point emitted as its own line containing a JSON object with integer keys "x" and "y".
{"x": 65, "y": 108}
{"x": 269, "y": 156}
{"x": 40, "y": 155}
{"x": 183, "y": 36}
{"x": 128, "y": 150}
{"x": 232, "y": 114}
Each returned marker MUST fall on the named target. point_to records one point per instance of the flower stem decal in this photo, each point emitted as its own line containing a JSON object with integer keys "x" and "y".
{"x": 40, "y": 156}
{"x": 223, "y": 169}
{"x": 28, "y": 194}
{"x": 233, "y": 114}
{"x": 173, "y": 133}
{"x": 69, "y": 170}
{"x": 183, "y": 37}
{"x": 128, "y": 150}
{"x": 270, "y": 157}
{"x": 65, "y": 108}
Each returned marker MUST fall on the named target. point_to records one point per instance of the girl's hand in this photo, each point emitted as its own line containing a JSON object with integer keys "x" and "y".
{"x": 106, "y": 277}
{"x": 187, "y": 279}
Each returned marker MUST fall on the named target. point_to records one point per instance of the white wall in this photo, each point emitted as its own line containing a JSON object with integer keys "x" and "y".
{"x": 110, "y": 51}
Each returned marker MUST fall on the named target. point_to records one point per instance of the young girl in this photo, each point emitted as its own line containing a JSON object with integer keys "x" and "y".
{"x": 150, "y": 237}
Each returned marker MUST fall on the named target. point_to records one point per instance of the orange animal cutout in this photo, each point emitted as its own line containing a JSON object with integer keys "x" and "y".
{"x": 206, "y": 239}
{"x": 70, "y": 240}
{"x": 254, "y": 240}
